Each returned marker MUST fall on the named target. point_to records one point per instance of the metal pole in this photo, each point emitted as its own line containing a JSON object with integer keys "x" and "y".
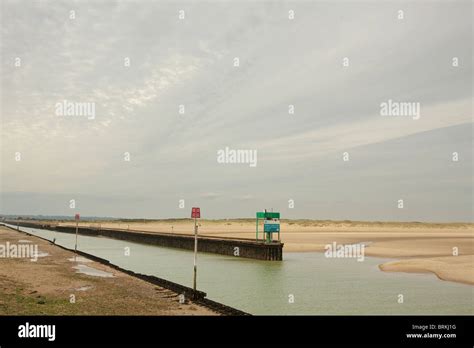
{"x": 256, "y": 237}
{"x": 195, "y": 256}
{"x": 77, "y": 227}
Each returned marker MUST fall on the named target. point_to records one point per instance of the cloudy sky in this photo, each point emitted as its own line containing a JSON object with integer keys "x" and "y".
{"x": 335, "y": 62}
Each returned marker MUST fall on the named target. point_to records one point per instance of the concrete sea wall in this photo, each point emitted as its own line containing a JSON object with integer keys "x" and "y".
{"x": 224, "y": 246}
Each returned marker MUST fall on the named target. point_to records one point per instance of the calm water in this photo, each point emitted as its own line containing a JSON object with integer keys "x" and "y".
{"x": 318, "y": 285}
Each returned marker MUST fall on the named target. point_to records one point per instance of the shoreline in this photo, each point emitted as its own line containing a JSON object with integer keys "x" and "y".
{"x": 423, "y": 266}
{"x": 414, "y": 266}
{"x": 414, "y": 247}
{"x": 150, "y": 295}
{"x": 417, "y": 265}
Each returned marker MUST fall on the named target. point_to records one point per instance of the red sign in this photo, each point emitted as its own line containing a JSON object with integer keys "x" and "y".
{"x": 196, "y": 213}
{"x": 77, "y": 217}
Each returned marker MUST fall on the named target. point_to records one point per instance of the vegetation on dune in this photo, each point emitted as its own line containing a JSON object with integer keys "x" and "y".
{"x": 298, "y": 222}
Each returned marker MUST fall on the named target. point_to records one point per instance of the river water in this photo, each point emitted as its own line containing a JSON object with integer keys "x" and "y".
{"x": 304, "y": 283}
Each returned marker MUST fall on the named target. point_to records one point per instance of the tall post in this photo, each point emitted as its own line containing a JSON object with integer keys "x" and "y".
{"x": 256, "y": 237}
{"x": 195, "y": 256}
{"x": 77, "y": 227}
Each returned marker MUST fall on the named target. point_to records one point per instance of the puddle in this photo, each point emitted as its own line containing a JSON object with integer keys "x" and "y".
{"x": 92, "y": 271}
{"x": 84, "y": 288}
{"x": 79, "y": 259}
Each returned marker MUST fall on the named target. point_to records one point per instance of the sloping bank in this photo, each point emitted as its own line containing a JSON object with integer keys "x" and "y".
{"x": 198, "y": 297}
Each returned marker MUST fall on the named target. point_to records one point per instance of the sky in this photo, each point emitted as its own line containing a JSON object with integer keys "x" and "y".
{"x": 140, "y": 66}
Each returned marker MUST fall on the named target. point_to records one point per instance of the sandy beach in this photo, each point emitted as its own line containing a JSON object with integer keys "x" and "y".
{"x": 45, "y": 287}
{"x": 416, "y": 247}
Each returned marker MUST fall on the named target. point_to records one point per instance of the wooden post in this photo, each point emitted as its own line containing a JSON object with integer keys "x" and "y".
{"x": 256, "y": 237}
{"x": 77, "y": 227}
{"x": 195, "y": 256}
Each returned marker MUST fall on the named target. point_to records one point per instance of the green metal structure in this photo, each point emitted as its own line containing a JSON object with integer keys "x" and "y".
{"x": 271, "y": 225}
